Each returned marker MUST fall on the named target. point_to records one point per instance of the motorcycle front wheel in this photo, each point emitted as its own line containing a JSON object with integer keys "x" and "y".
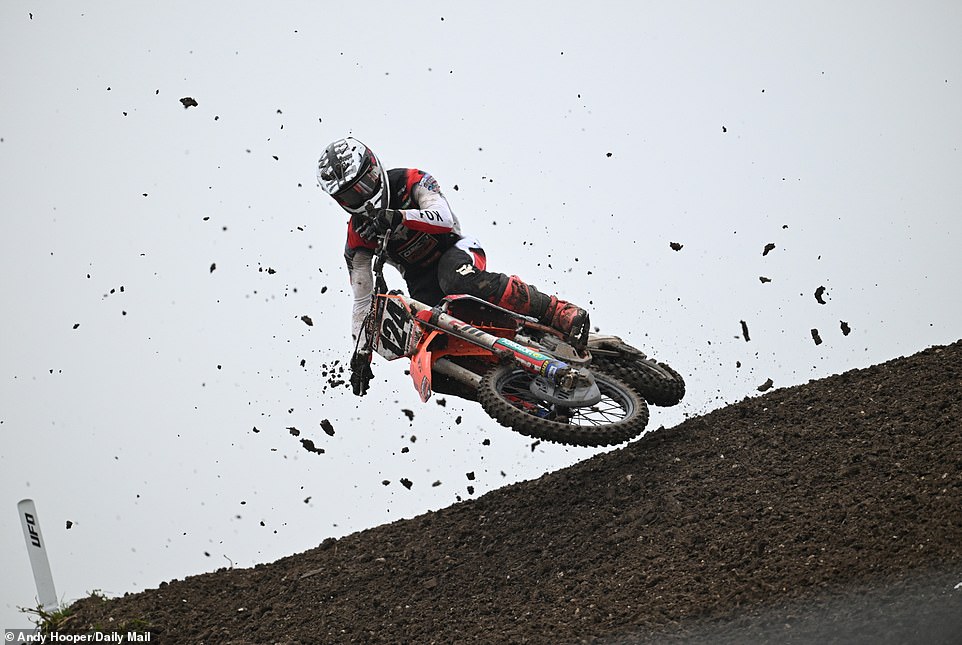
{"x": 622, "y": 414}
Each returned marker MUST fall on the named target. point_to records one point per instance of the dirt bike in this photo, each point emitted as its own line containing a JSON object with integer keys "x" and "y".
{"x": 525, "y": 375}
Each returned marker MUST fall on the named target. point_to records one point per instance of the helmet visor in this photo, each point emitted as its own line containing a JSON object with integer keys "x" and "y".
{"x": 361, "y": 190}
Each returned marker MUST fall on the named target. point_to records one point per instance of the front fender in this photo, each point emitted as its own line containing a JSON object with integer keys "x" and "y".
{"x": 421, "y": 362}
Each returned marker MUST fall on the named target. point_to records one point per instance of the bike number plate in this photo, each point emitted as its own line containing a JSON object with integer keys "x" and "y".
{"x": 397, "y": 333}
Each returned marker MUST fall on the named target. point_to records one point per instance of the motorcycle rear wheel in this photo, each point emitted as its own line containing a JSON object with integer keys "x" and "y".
{"x": 621, "y": 415}
{"x": 658, "y": 383}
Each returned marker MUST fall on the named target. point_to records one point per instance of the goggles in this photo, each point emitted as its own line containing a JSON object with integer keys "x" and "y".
{"x": 361, "y": 190}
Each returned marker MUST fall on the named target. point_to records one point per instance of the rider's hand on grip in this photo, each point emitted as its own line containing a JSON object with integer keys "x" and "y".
{"x": 377, "y": 222}
{"x": 361, "y": 373}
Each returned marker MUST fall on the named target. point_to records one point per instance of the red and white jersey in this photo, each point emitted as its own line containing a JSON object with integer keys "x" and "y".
{"x": 428, "y": 229}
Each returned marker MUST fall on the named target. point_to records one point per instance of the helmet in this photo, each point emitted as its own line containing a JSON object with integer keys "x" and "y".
{"x": 349, "y": 172}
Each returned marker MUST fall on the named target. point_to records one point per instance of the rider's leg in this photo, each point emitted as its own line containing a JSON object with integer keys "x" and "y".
{"x": 566, "y": 317}
{"x": 423, "y": 285}
{"x": 461, "y": 269}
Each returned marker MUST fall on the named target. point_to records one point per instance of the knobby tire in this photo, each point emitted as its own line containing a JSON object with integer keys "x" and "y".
{"x": 620, "y": 416}
{"x": 658, "y": 383}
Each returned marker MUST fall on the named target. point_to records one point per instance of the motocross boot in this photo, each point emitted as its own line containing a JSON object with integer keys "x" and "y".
{"x": 571, "y": 320}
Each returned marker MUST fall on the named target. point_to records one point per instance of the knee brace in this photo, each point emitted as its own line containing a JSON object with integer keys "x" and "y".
{"x": 519, "y": 296}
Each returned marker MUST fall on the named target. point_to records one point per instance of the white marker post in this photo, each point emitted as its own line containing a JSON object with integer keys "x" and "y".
{"x": 39, "y": 562}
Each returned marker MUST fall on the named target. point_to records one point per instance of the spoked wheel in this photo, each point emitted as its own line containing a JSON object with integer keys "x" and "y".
{"x": 658, "y": 383}
{"x": 620, "y": 415}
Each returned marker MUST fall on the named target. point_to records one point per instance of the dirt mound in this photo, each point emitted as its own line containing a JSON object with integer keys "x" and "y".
{"x": 827, "y": 512}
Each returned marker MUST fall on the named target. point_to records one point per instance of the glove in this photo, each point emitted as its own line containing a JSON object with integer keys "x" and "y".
{"x": 377, "y": 222}
{"x": 361, "y": 373}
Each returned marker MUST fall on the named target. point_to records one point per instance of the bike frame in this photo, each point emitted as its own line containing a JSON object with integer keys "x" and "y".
{"x": 405, "y": 327}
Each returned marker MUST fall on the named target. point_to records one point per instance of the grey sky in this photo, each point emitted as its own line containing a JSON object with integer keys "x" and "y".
{"x": 832, "y": 131}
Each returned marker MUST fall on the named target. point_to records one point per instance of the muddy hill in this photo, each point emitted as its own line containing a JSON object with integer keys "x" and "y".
{"x": 827, "y": 512}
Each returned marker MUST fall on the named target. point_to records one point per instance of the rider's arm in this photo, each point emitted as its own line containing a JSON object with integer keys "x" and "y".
{"x": 433, "y": 214}
{"x": 362, "y": 284}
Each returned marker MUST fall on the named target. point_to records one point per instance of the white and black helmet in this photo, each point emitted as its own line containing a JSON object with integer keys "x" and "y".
{"x": 349, "y": 172}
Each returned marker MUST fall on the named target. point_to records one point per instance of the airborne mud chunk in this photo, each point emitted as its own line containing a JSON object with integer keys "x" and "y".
{"x": 675, "y": 246}
{"x": 846, "y": 330}
{"x": 768, "y": 248}
{"x": 767, "y": 385}
{"x": 188, "y": 102}
{"x": 745, "y": 331}
{"x": 818, "y": 295}
{"x": 816, "y": 337}
{"x": 310, "y": 447}
{"x": 327, "y": 427}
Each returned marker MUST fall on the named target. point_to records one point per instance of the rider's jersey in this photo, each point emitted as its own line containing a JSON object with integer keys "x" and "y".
{"x": 429, "y": 228}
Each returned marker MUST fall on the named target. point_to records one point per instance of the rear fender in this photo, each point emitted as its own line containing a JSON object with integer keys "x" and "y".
{"x": 481, "y": 313}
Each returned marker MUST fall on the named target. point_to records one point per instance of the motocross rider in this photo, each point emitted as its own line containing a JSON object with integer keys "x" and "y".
{"x": 427, "y": 245}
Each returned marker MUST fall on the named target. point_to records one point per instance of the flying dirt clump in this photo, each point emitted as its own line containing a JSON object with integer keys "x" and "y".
{"x": 310, "y": 447}
{"x": 816, "y": 337}
{"x": 768, "y": 248}
{"x": 745, "y": 331}
{"x": 333, "y": 373}
{"x": 307, "y": 444}
{"x": 327, "y": 427}
{"x": 818, "y": 295}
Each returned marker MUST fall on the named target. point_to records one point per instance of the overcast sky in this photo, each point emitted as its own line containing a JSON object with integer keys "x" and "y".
{"x": 156, "y": 260}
